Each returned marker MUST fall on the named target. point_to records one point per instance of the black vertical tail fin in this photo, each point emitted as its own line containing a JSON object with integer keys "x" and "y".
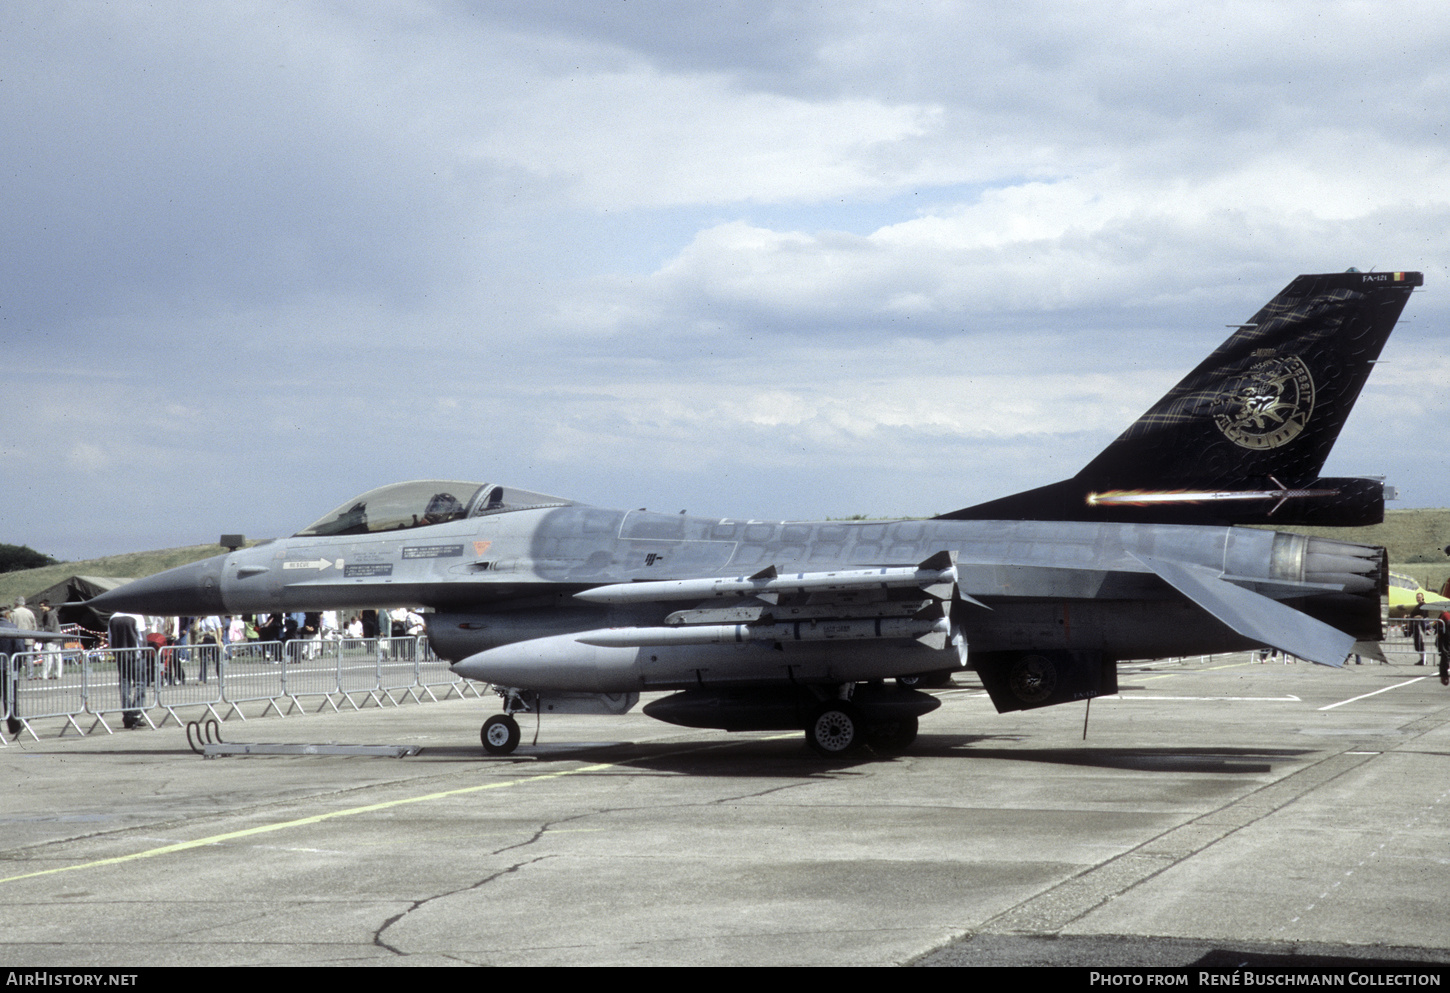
{"x": 1242, "y": 439}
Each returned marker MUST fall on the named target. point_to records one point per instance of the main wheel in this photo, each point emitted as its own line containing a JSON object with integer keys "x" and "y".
{"x": 891, "y": 737}
{"x": 835, "y": 729}
{"x": 935, "y": 679}
{"x": 500, "y": 734}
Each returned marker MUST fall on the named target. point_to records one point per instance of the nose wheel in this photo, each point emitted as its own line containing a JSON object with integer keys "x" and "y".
{"x": 500, "y": 734}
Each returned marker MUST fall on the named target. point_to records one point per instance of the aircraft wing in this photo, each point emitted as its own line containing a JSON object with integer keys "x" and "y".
{"x": 1252, "y": 615}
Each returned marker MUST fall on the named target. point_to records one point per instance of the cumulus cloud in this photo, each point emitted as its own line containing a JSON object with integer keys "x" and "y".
{"x": 1050, "y": 246}
{"x": 625, "y": 140}
{"x": 752, "y": 257}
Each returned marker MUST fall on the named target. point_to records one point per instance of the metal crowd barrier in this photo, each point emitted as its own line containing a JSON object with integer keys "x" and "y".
{"x": 71, "y": 684}
{"x": 36, "y": 697}
{"x": 150, "y": 685}
{"x": 1411, "y": 640}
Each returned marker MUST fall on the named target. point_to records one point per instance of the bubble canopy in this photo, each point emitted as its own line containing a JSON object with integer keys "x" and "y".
{"x": 423, "y": 503}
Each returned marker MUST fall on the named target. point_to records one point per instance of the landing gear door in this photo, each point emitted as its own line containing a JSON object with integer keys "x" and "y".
{"x": 1028, "y": 680}
{"x": 586, "y": 703}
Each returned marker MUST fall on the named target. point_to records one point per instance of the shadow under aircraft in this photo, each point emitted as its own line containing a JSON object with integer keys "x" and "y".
{"x": 758, "y": 625}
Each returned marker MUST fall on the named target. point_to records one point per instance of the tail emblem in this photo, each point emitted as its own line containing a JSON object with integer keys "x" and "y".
{"x": 1269, "y": 405}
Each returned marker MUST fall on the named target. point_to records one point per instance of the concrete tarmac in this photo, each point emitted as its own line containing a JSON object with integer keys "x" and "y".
{"x": 1219, "y": 811}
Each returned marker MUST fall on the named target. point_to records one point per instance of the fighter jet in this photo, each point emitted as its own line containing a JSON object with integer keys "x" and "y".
{"x": 772, "y": 625}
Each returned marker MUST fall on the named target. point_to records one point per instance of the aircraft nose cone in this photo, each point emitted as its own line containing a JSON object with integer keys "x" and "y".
{"x": 189, "y": 590}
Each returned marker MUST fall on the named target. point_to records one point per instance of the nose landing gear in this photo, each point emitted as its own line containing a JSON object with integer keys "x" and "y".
{"x": 500, "y": 734}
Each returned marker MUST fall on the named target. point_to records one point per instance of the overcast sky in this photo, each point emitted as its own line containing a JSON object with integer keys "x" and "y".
{"x": 750, "y": 259}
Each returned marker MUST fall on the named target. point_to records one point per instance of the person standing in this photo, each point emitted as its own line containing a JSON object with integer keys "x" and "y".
{"x": 271, "y": 633}
{"x": 1442, "y": 644}
{"x": 211, "y": 645}
{"x": 184, "y": 627}
{"x": 1419, "y": 624}
{"x": 124, "y": 632}
{"x": 385, "y": 634}
{"x": 54, "y": 656}
{"x": 22, "y": 616}
{"x": 24, "y": 619}
{"x": 310, "y": 631}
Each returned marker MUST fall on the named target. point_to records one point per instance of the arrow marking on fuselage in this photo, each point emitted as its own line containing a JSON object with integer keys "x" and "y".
{"x": 313, "y": 564}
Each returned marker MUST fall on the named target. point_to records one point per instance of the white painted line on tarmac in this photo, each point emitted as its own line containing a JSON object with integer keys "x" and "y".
{"x": 1363, "y": 696}
{"x": 1260, "y": 699}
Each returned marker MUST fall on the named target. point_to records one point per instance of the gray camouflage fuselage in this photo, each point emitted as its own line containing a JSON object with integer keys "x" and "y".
{"x": 512, "y": 576}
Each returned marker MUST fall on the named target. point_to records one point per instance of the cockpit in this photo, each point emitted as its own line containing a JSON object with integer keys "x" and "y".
{"x": 422, "y": 503}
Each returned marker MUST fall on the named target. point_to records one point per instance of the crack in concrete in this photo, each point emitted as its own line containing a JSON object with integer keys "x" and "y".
{"x": 477, "y": 884}
{"x": 378, "y": 941}
{"x": 753, "y": 796}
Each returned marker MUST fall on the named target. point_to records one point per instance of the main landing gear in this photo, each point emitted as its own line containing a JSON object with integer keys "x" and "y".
{"x": 838, "y": 728}
{"x": 839, "y": 721}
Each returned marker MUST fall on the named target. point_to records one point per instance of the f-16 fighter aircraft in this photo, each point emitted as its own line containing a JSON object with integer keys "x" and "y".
{"x": 760, "y": 625}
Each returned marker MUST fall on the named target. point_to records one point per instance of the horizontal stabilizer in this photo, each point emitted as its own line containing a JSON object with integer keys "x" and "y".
{"x": 1254, "y": 616}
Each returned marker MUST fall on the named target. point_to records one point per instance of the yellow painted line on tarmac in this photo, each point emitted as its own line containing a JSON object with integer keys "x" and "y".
{"x": 216, "y": 839}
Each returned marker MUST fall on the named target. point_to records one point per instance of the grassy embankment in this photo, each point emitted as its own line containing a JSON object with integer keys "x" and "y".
{"x": 133, "y": 565}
